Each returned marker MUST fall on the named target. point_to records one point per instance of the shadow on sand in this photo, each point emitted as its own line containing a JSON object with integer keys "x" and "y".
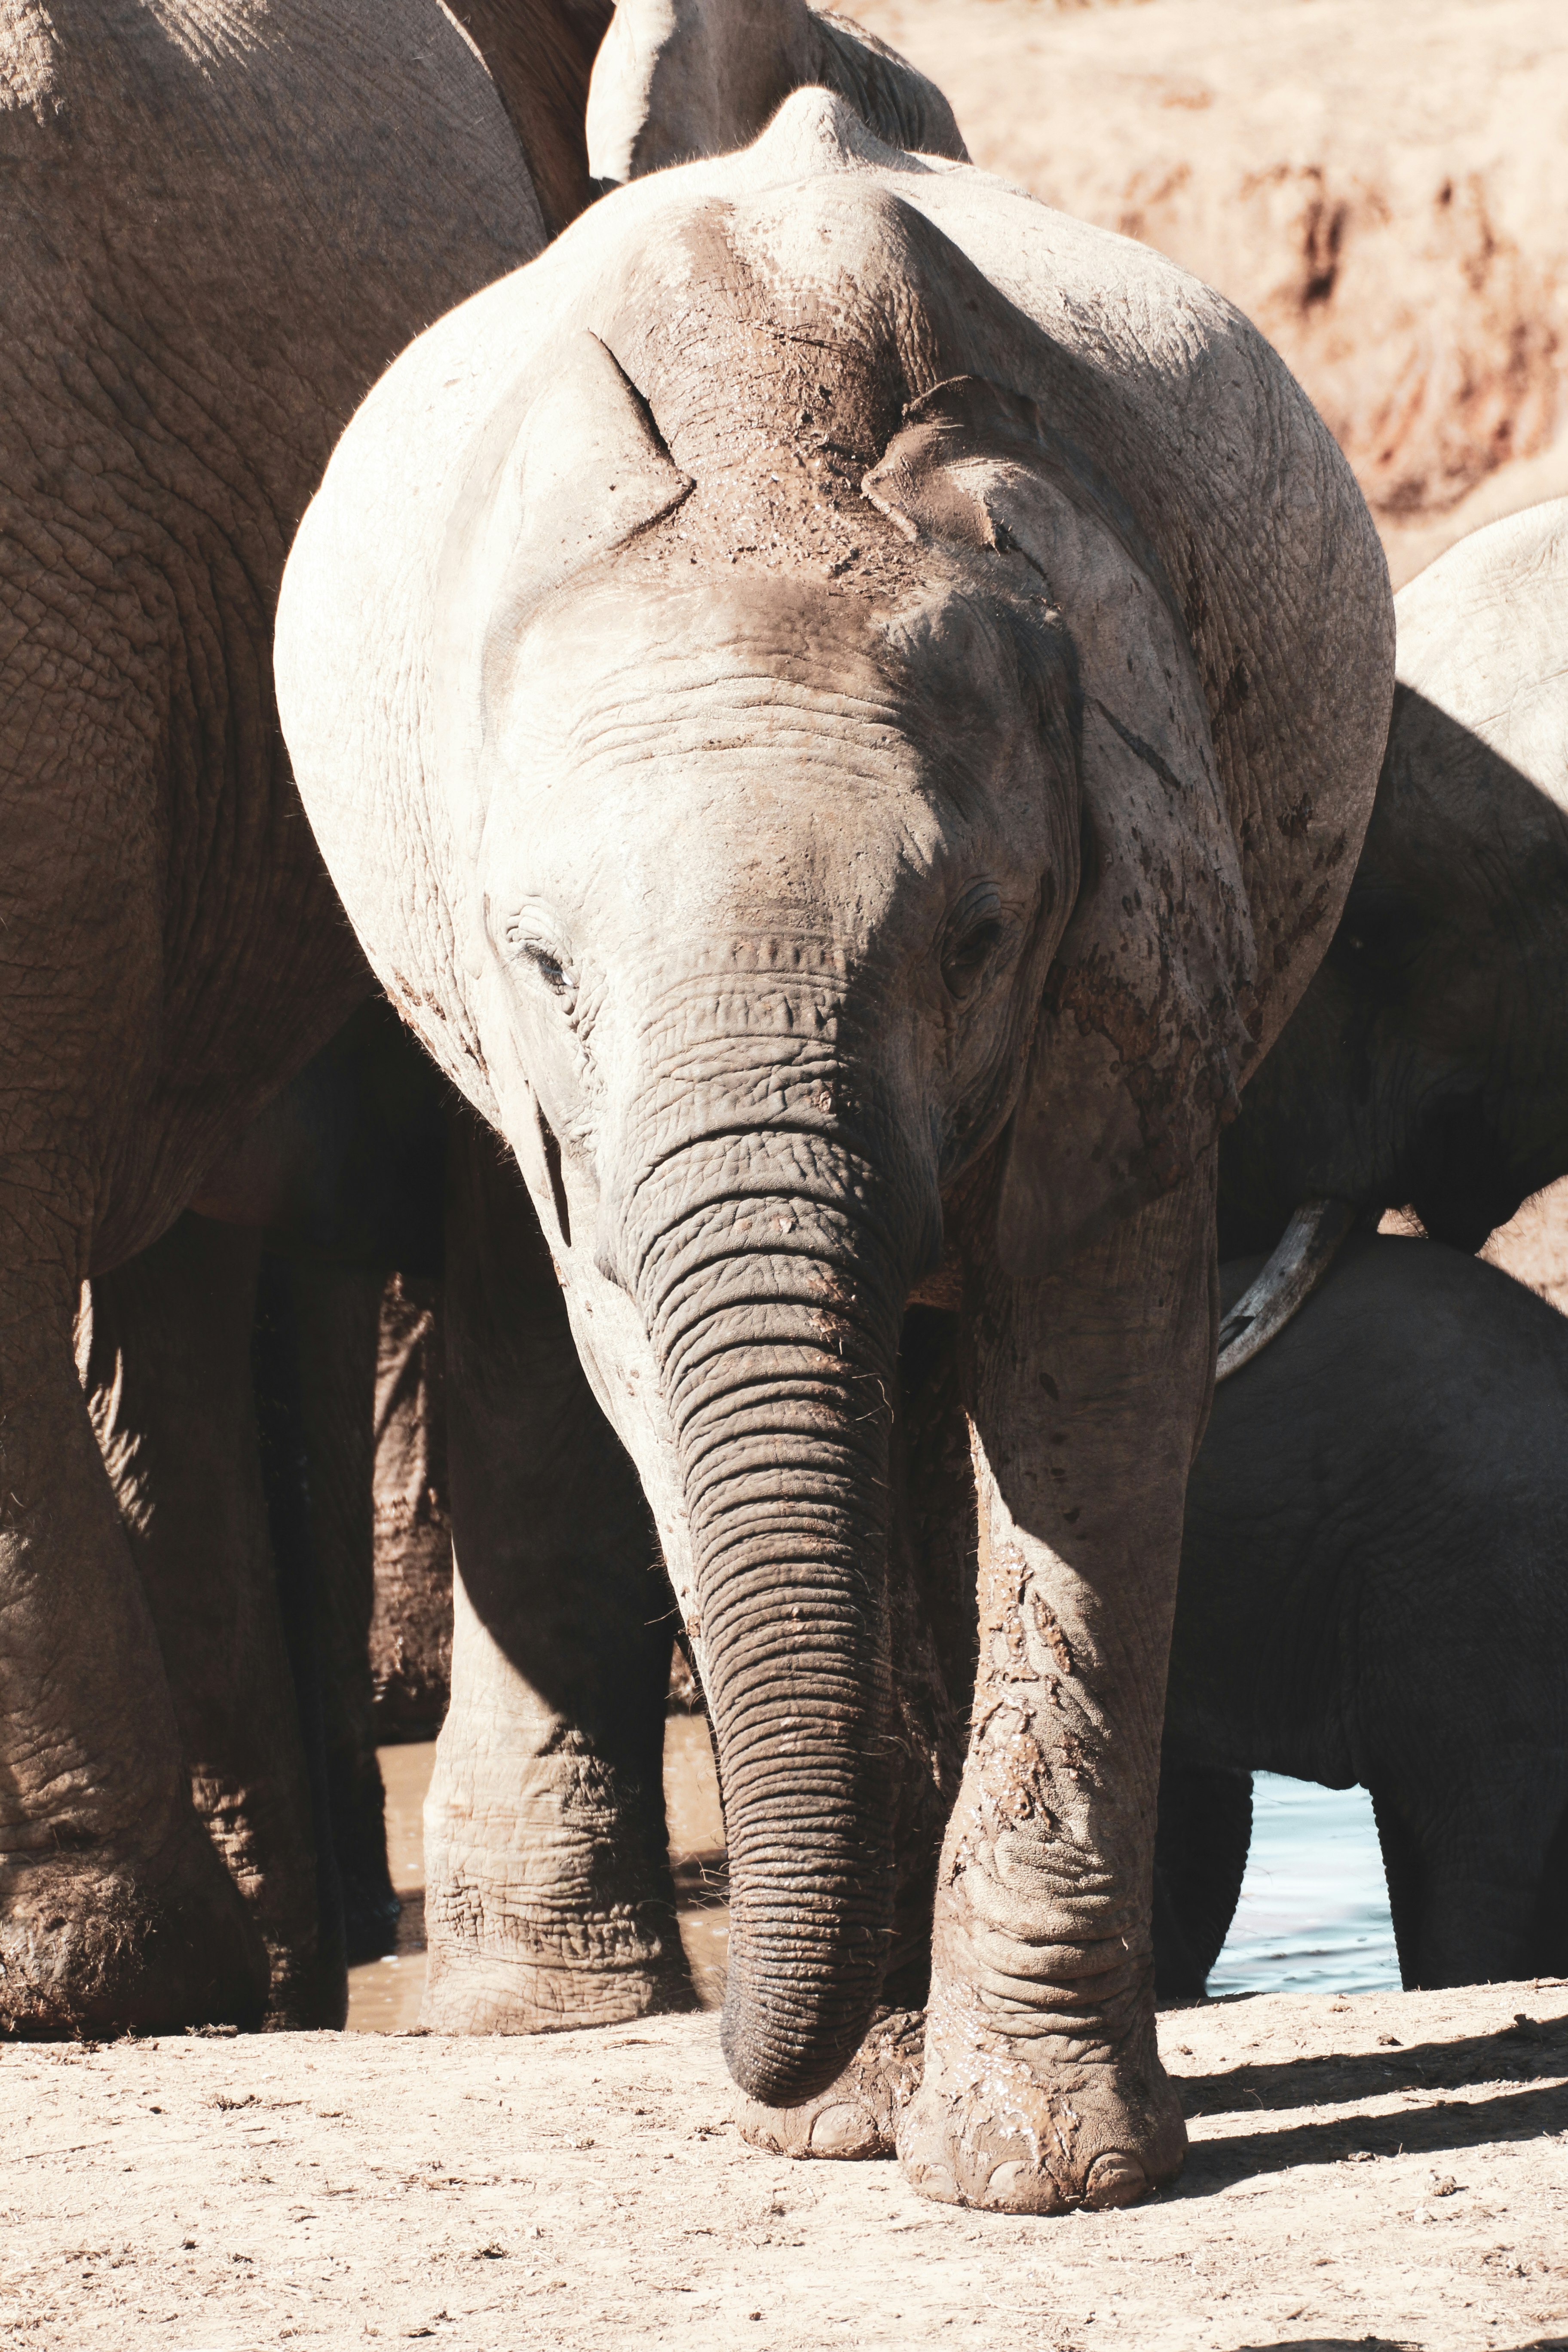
{"x": 1530, "y": 2055}
{"x": 1381, "y": 2344}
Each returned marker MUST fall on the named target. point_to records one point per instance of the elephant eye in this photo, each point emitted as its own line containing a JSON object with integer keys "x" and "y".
{"x": 552, "y": 970}
{"x": 974, "y": 932}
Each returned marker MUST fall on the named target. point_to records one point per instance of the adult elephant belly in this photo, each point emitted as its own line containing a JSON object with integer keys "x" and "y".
{"x": 223, "y": 222}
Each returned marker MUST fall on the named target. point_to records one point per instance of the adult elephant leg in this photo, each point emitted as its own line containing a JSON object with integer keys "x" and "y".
{"x": 1467, "y": 1868}
{"x": 165, "y": 1358}
{"x": 410, "y": 1630}
{"x": 1201, "y": 1843}
{"x": 336, "y": 1317}
{"x": 549, "y": 1900}
{"x": 1043, "y": 2088}
{"x": 115, "y": 1907}
{"x": 1405, "y": 1876}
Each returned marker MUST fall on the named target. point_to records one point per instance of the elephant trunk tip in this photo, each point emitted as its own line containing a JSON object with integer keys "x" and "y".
{"x": 782, "y": 2057}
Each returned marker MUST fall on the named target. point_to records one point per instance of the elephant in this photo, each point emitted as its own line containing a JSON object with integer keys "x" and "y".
{"x": 225, "y": 219}
{"x": 679, "y": 78}
{"x": 225, "y": 223}
{"x": 841, "y": 705}
{"x": 1371, "y": 1591}
{"x": 1426, "y": 1066}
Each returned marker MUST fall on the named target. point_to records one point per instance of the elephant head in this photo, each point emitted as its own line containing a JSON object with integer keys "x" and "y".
{"x": 1424, "y": 1066}
{"x": 679, "y": 78}
{"x": 784, "y": 791}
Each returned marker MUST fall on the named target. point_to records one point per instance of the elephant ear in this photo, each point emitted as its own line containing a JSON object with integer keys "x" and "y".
{"x": 569, "y": 467}
{"x": 679, "y": 78}
{"x": 1141, "y": 1036}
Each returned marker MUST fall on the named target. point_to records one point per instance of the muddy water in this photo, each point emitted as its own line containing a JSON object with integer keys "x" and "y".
{"x": 385, "y": 1995}
{"x": 1313, "y": 1914}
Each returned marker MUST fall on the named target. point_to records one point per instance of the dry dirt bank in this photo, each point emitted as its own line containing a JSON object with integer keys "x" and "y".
{"x": 1391, "y": 2170}
{"x": 1383, "y": 188}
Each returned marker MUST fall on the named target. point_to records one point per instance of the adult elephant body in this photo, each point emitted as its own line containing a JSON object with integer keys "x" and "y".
{"x": 224, "y": 220}
{"x": 877, "y": 686}
{"x": 1426, "y": 1067}
{"x": 1371, "y": 1591}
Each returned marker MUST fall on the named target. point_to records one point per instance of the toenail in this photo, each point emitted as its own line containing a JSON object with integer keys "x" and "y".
{"x": 843, "y": 2130}
{"x": 1021, "y": 2187}
{"x": 1114, "y": 2179}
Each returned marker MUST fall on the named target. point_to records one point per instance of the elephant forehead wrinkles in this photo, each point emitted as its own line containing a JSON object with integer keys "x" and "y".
{"x": 735, "y": 1060}
{"x": 717, "y": 1017}
{"x": 713, "y": 701}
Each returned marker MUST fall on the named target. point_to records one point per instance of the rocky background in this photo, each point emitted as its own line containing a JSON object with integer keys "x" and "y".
{"x": 1382, "y": 185}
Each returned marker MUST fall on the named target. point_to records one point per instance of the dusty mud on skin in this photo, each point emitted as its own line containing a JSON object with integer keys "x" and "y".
{"x": 1389, "y": 2170}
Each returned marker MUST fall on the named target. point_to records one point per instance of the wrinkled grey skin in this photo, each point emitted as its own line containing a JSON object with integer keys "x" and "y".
{"x": 679, "y": 79}
{"x": 873, "y": 781}
{"x": 1371, "y": 1591}
{"x": 343, "y": 1175}
{"x": 164, "y": 1352}
{"x": 222, "y": 220}
{"x": 411, "y": 1626}
{"x": 1427, "y": 1063}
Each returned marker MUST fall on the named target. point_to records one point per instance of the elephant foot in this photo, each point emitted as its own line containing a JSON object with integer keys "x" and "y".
{"x": 857, "y": 2115}
{"x": 994, "y": 2127}
{"x": 98, "y": 1944}
{"x": 519, "y": 1977}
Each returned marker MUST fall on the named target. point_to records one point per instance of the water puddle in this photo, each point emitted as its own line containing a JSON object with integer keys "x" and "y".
{"x": 1313, "y": 1914}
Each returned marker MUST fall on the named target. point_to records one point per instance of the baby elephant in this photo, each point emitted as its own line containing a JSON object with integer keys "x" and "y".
{"x": 1373, "y": 1589}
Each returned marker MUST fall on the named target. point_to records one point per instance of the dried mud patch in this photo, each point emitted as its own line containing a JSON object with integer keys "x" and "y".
{"x": 1391, "y": 2170}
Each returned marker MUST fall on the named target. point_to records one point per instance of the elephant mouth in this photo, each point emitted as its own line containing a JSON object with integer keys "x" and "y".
{"x": 1457, "y": 1186}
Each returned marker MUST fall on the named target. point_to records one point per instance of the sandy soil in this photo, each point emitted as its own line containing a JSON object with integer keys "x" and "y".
{"x": 1533, "y": 1245}
{"x": 1391, "y": 2170}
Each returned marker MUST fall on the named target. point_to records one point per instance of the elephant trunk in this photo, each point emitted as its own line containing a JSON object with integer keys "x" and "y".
{"x": 774, "y": 1310}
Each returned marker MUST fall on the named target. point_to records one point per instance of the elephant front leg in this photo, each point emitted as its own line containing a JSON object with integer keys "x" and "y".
{"x": 115, "y": 1908}
{"x": 333, "y": 1314}
{"x": 549, "y": 1897}
{"x": 1043, "y": 2088}
{"x": 167, "y": 1362}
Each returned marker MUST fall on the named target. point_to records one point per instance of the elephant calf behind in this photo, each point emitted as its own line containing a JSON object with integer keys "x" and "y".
{"x": 1373, "y": 1589}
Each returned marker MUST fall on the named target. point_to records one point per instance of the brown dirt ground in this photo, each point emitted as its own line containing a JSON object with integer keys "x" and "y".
{"x": 1389, "y": 2170}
